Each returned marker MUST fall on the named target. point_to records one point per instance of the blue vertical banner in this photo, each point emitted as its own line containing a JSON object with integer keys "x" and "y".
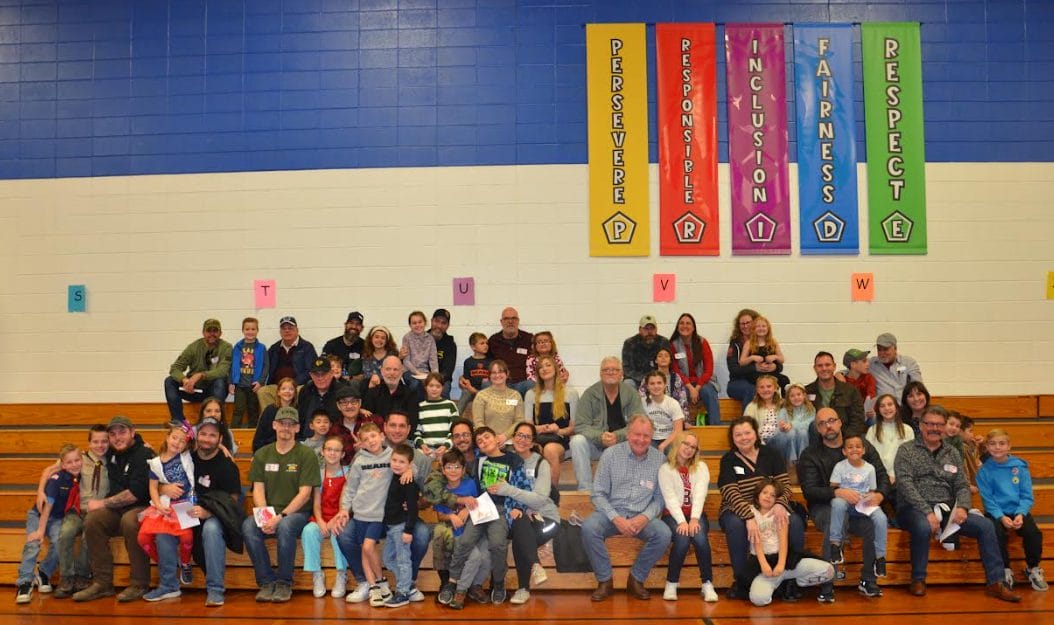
{"x": 827, "y": 195}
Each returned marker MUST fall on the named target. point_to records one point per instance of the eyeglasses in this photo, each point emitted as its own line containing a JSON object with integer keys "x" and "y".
{"x": 828, "y": 422}
{"x": 462, "y": 435}
{"x": 336, "y": 449}
{"x": 933, "y": 424}
{"x": 452, "y": 467}
{"x": 522, "y": 436}
{"x": 690, "y": 446}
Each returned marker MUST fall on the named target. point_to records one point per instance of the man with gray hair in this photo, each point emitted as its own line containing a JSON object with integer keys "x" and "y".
{"x": 892, "y": 371}
{"x": 601, "y": 417}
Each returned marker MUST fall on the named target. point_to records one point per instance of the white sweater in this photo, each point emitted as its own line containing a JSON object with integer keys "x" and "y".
{"x": 673, "y": 490}
{"x": 887, "y": 449}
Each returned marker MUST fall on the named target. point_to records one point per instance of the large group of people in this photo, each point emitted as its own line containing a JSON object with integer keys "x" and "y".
{"x": 350, "y": 444}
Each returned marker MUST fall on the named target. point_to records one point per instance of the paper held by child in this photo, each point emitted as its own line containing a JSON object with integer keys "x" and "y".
{"x": 485, "y": 511}
{"x": 262, "y": 515}
{"x": 864, "y": 506}
{"x": 182, "y": 510}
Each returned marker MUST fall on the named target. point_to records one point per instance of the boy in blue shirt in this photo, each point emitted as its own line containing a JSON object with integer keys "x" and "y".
{"x": 62, "y": 494}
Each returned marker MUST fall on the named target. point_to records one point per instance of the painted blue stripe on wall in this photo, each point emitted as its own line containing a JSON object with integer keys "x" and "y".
{"x": 111, "y": 87}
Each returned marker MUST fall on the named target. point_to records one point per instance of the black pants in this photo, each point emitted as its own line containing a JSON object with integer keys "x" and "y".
{"x": 1031, "y": 539}
{"x": 527, "y": 536}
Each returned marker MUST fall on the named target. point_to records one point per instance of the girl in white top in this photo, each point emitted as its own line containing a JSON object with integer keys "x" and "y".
{"x": 683, "y": 480}
{"x": 765, "y": 407}
{"x": 888, "y": 433}
{"x": 775, "y": 562}
{"x": 665, "y": 413}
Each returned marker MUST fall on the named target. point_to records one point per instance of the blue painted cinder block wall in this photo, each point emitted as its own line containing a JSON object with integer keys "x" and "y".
{"x": 118, "y": 87}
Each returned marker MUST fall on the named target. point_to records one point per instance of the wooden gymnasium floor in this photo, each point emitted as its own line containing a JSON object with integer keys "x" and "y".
{"x": 943, "y": 604}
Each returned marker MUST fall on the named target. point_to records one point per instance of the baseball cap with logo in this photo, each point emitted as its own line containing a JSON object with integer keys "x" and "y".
{"x": 355, "y": 316}
{"x": 853, "y": 355}
{"x": 291, "y": 320}
{"x": 211, "y": 421}
{"x": 648, "y": 320}
{"x": 320, "y": 365}
{"x": 212, "y": 324}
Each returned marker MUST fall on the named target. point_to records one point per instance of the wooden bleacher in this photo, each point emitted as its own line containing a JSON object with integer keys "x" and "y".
{"x": 31, "y": 433}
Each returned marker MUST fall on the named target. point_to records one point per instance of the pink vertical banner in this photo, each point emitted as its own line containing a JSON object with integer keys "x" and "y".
{"x": 757, "y": 139}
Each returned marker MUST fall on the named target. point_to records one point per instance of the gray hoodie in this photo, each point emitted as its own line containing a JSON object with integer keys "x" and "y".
{"x": 366, "y": 488}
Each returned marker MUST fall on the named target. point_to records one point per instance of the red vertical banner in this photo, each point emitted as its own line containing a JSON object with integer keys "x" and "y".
{"x": 686, "y": 76}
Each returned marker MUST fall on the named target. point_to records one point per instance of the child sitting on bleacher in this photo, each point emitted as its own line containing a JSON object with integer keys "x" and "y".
{"x": 856, "y": 474}
{"x": 1006, "y": 489}
{"x": 62, "y": 497}
{"x": 174, "y": 464}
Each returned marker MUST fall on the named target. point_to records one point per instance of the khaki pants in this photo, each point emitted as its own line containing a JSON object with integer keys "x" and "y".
{"x": 99, "y": 527}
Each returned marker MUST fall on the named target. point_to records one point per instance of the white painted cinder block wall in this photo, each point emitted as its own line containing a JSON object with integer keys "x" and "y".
{"x": 161, "y": 253}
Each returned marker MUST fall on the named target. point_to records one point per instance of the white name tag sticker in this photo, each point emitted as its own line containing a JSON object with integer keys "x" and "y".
{"x": 681, "y": 356}
{"x": 521, "y": 351}
{"x": 739, "y": 470}
{"x": 511, "y": 402}
{"x": 951, "y": 468}
{"x": 811, "y": 397}
{"x": 271, "y": 467}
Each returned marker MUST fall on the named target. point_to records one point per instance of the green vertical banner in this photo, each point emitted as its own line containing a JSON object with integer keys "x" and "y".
{"x": 896, "y": 144}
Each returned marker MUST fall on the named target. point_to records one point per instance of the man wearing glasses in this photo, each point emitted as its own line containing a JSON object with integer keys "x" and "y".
{"x": 815, "y": 467}
{"x": 513, "y": 346}
{"x": 930, "y": 472}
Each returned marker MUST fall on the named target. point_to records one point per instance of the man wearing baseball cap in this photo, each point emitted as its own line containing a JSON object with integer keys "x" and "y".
{"x": 320, "y": 392}
{"x": 638, "y": 351}
{"x": 446, "y": 347}
{"x": 118, "y": 515}
{"x": 283, "y": 475}
{"x": 200, "y": 371}
{"x": 892, "y": 370}
{"x": 218, "y": 487}
{"x": 349, "y": 346}
{"x": 289, "y": 357}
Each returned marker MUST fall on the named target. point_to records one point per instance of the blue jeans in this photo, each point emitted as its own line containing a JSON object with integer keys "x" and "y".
{"x": 32, "y": 549}
{"x": 679, "y": 550}
{"x": 351, "y": 548}
{"x": 857, "y": 526}
{"x": 287, "y": 534}
{"x": 841, "y": 512}
{"x": 583, "y": 453}
{"x": 522, "y": 386}
{"x": 397, "y": 558}
{"x": 167, "y": 561}
{"x": 975, "y": 526}
{"x": 215, "y": 548}
{"x": 735, "y": 530}
{"x": 174, "y": 395}
{"x": 708, "y": 395}
{"x": 742, "y": 390}
{"x": 419, "y": 547}
{"x": 597, "y": 528}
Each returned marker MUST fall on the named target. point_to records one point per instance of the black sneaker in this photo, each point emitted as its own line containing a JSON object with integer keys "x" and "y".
{"x": 446, "y": 594}
{"x": 869, "y": 589}
{"x": 24, "y": 593}
{"x": 826, "y": 593}
{"x": 43, "y": 583}
{"x": 880, "y": 567}
{"x": 186, "y": 574}
{"x": 836, "y": 554}
{"x": 497, "y": 593}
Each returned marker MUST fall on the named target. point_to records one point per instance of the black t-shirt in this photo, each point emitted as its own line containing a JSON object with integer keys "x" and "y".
{"x": 616, "y": 420}
{"x": 218, "y": 473}
{"x": 351, "y": 355}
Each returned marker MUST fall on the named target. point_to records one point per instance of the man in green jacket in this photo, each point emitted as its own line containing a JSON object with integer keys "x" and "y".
{"x": 200, "y": 371}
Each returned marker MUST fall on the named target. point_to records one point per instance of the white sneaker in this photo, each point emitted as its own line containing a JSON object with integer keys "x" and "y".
{"x": 318, "y": 588}
{"x": 1008, "y": 578}
{"x": 709, "y": 595}
{"x": 1035, "y": 577}
{"x": 379, "y": 594}
{"x": 340, "y": 586}
{"x": 521, "y": 596}
{"x": 670, "y": 594}
{"x": 360, "y": 594}
{"x": 416, "y": 596}
{"x": 538, "y": 575}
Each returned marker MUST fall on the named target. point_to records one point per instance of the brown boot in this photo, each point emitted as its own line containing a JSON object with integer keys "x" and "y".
{"x": 636, "y": 589}
{"x": 93, "y": 592}
{"x": 1001, "y": 592}
{"x": 918, "y": 587}
{"x": 604, "y": 590}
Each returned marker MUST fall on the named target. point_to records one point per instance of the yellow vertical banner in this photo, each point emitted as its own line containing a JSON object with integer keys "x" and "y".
{"x": 617, "y": 81}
